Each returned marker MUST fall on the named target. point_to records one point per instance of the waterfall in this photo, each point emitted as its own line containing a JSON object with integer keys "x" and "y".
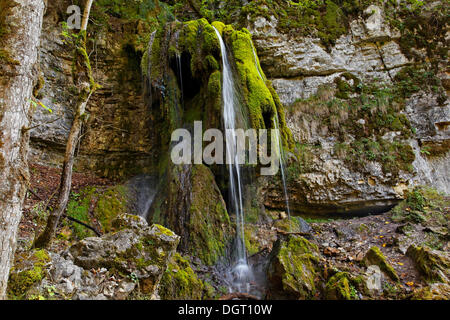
{"x": 255, "y": 57}
{"x": 180, "y": 74}
{"x": 283, "y": 175}
{"x": 279, "y": 143}
{"x": 241, "y": 272}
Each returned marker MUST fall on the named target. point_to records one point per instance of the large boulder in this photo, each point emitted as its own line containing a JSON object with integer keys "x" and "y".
{"x": 375, "y": 257}
{"x": 129, "y": 261}
{"x": 433, "y": 264}
{"x": 180, "y": 282}
{"x": 141, "y": 254}
{"x": 293, "y": 268}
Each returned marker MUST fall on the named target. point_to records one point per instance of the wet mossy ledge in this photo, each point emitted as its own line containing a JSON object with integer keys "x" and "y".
{"x": 190, "y": 203}
{"x": 183, "y": 68}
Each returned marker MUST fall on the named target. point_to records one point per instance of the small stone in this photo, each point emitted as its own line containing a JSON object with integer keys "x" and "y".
{"x": 374, "y": 279}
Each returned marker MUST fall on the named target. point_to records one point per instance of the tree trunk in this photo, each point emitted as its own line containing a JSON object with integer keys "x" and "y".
{"x": 84, "y": 81}
{"x": 46, "y": 237}
{"x": 20, "y": 23}
{"x": 86, "y": 14}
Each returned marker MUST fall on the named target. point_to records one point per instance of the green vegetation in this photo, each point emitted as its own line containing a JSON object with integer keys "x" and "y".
{"x": 422, "y": 205}
{"x": 434, "y": 265}
{"x": 209, "y": 225}
{"x": 29, "y": 269}
{"x": 180, "y": 282}
{"x": 296, "y": 266}
{"x": 339, "y": 288}
{"x": 375, "y": 257}
{"x": 93, "y": 204}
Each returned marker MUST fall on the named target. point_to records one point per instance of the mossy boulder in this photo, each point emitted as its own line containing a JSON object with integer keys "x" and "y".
{"x": 180, "y": 282}
{"x": 338, "y": 287}
{"x": 435, "y": 291}
{"x": 263, "y": 105}
{"x": 142, "y": 254}
{"x": 293, "y": 269}
{"x": 29, "y": 269}
{"x": 375, "y": 257}
{"x": 433, "y": 264}
{"x": 97, "y": 207}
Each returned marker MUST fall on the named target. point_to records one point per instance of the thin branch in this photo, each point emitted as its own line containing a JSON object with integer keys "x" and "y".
{"x": 83, "y": 224}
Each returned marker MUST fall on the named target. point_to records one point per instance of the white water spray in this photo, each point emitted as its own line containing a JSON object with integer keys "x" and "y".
{"x": 241, "y": 271}
{"x": 283, "y": 176}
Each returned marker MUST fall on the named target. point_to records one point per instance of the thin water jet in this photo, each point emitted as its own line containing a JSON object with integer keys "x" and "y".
{"x": 241, "y": 273}
{"x": 282, "y": 159}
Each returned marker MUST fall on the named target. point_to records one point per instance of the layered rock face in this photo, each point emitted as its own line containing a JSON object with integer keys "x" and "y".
{"x": 116, "y": 140}
{"x": 297, "y": 65}
{"x": 307, "y": 74}
{"x": 124, "y": 136}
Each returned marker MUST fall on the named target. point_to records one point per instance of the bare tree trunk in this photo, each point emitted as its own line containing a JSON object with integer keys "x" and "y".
{"x": 21, "y": 22}
{"x": 83, "y": 80}
{"x": 86, "y": 14}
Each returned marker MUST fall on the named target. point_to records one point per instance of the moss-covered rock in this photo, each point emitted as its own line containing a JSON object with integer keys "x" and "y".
{"x": 375, "y": 257}
{"x": 180, "y": 282}
{"x": 28, "y": 270}
{"x": 192, "y": 91}
{"x": 338, "y": 287}
{"x": 109, "y": 205}
{"x": 293, "y": 269}
{"x": 190, "y": 203}
{"x": 141, "y": 254}
{"x": 435, "y": 291}
{"x": 97, "y": 207}
{"x": 433, "y": 264}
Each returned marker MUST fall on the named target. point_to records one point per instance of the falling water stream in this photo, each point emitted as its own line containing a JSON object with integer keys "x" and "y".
{"x": 283, "y": 175}
{"x": 180, "y": 73}
{"x": 241, "y": 272}
{"x": 279, "y": 143}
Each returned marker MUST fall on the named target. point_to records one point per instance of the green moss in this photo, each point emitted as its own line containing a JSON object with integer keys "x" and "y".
{"x": 180, "y": 282}
{"x": 251, "y": 241}
{"x": 434, "y": 265}
{"x": 296, "y": 263}
{"x": 375, "y": 257}
{"x": 422, "y": 77}
{"x": 338, "y": 287}
{"x": 165, "y": 231}
{"x": 258, "y": 97}
{"x": 219, "y": 26}
{"x": 422, "y": 205}
{"x": 209, "y": 226}
{"x": 109, "y": 205}
{"x": 326, "y": 19}
{"x": 294, "y": 224}
{"x": 29, "y": 269}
